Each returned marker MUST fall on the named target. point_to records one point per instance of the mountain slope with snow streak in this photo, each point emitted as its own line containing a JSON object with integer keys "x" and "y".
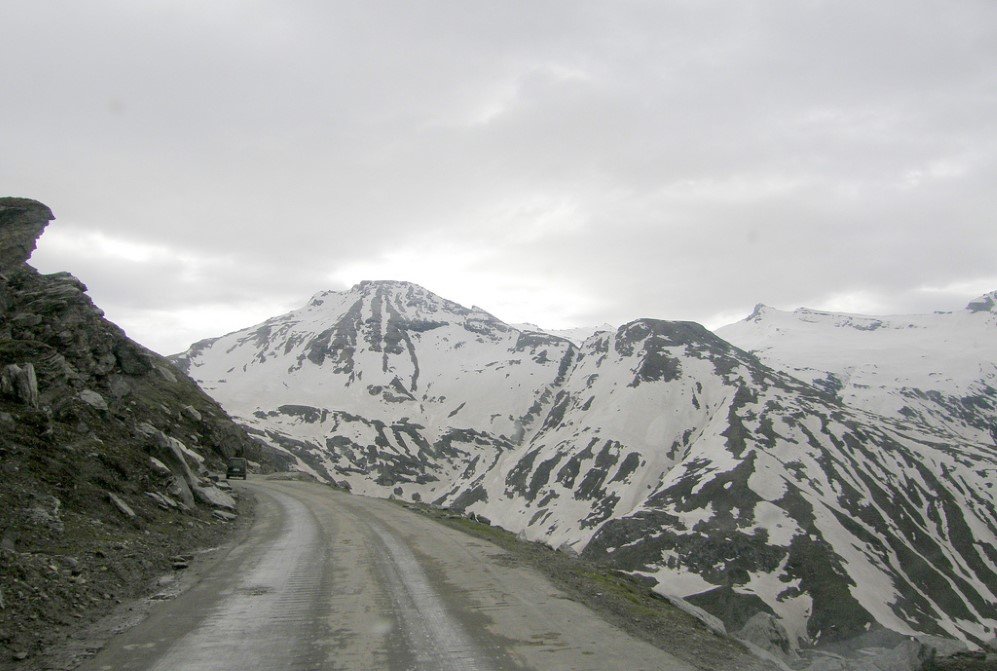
{"x": 658, "y": 447}
{"x": 386, "y": 380}
{"x": 744, "y": 490}
{"x": 937, "y": 370}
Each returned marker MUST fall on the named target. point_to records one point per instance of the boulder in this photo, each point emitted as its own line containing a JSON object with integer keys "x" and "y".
{"x": 119, "y": 385}
{"x": 568, "y": 549}
{"x": 192, "y": 455}
{"x": 146, "y": 429}
{"x": 132, "y": 359}
{"x": 93, "y": 399}
{"x": 172, "y": 452}
{"x": 158, "y": 467}
{"x": 20, "y": 382}
{"x": 122, "y": 507}
{"x": 765, "y": 631}
{"x": 179, "y": 489}
{"x": 45, "y": 511}
{"x": 191, "y": 413}
{"x": 163, "y": 501}
{"x": 214, "y": 497}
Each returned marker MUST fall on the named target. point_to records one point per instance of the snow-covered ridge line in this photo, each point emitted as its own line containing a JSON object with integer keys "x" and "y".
{"x": 577, "y": 335}
{"x": 938, "y": 371}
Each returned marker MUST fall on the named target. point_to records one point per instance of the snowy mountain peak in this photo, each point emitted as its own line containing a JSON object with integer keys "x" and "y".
{"x": 985, "y": 303}
{"x": 407, "y": 295}
{"x": 389, "y": 350}
{"x": 319, "y": 298}
{"x": 758, "y": 313}
{"x": 384, "y": 301}
{"x": 373, "y": 285}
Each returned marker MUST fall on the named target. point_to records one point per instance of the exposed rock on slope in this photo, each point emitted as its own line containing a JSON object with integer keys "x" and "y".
{"x": 21, "y": 223}
{"x": 745, "y": 491}
{"x": 399, "y": 384}
{"x": 104, "y": 448}
{"x": 937, "y": 371}
{"x": 658, "y": 447}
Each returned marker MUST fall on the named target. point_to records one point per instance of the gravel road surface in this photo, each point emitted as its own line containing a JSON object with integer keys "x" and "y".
{"x": 325, "y": 580}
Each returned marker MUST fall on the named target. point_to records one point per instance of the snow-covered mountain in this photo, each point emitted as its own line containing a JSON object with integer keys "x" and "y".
{"x": 937, "y": 370}
{"x": 657, "y": 446}
{"x": 384, "y": 384}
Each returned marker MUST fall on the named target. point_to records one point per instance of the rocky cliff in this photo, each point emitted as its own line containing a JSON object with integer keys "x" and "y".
{"x": 105, "y": 451}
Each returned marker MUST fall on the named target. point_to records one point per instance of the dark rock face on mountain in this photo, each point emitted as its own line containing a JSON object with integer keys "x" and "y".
{"x": 765, "y": 500}
{"x": 386, "y": 385}
{"x": 745, "y": 491}
{"x": 104, "y": 449}
{"x": 21, "y": 223}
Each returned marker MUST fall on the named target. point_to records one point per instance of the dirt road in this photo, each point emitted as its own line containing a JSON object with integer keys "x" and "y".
{"x": 325, "y": 580}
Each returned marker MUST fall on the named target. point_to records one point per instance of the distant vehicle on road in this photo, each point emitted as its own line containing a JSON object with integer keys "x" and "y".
{"x": 237, "y": 468}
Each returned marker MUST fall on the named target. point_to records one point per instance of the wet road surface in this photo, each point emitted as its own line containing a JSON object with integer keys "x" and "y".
{"x": 325, "y": 580}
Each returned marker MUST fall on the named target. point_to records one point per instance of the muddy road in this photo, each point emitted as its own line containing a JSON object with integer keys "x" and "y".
{"x": 324, "y": 580}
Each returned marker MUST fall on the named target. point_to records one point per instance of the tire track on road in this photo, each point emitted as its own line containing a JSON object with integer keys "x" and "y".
{"x": 437, "y": 641}
{"x": 268, "y": 621}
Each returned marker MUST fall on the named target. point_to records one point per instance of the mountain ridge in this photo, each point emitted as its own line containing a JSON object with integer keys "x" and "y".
{"x": 937, "y": 370}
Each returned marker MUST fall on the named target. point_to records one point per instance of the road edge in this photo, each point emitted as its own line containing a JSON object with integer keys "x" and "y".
{"x": 84, "y": 640}
{"x": 618, "y": 598}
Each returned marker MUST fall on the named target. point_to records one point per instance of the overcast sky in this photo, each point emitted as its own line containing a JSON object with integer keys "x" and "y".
{"x": 211, "y": 164}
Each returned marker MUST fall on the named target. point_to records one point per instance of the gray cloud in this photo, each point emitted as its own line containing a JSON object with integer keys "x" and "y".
{"x": 551, "y": 162}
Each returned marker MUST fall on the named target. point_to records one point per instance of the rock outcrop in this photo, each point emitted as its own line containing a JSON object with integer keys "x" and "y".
{"x": 20, "y": 383}
{"x": 106, "y": 450}
{"x": 21, "y": 223}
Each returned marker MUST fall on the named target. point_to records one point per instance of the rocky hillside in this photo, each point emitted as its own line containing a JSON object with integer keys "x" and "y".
{"x": 795, "y": 519}
{"x": 105, "y": 449}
